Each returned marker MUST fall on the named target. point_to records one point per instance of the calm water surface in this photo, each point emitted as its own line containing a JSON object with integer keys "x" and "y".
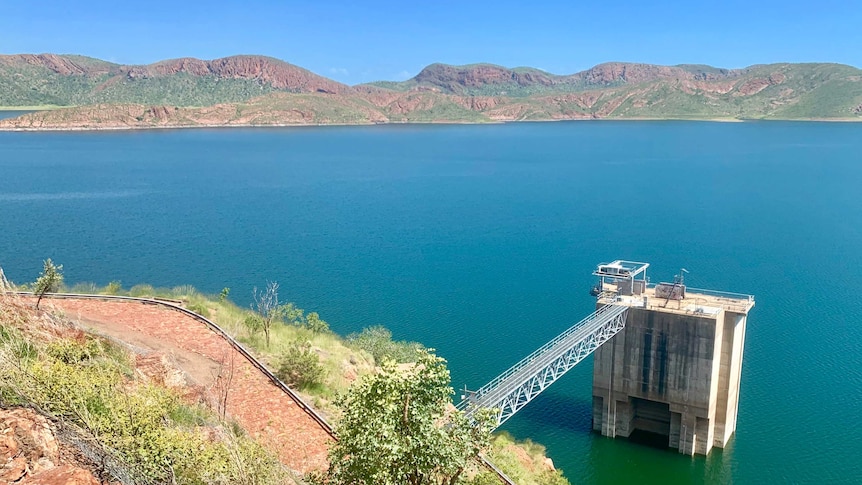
{"x": 11, "y": 114}
{"x": 479, "y": 241}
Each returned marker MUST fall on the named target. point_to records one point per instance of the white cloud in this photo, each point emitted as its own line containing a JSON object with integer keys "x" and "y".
{"x": 402, "y": 76}
{"x": 338, "y": 70}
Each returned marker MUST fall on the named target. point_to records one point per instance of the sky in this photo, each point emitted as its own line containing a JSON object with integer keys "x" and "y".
{"x": 360, "y": 41}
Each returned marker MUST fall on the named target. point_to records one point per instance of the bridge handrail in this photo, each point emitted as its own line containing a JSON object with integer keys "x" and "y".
{"x": 530, "y": 358}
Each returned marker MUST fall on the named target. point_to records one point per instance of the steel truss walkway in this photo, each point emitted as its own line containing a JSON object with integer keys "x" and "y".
{"x": 516, "y": 387}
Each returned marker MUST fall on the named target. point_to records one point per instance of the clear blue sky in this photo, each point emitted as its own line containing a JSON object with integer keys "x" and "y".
{"x": 359, "y": 41}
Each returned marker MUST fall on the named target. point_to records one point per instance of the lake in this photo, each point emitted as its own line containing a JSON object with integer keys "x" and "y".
{"x": 479, "y": 241}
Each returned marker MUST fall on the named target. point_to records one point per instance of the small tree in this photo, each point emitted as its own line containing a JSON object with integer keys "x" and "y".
{"x": 266, "y": 305}
{"x": 396, "y": 429}
{"x": 316, "y": 324}
{"x": 292, "y": 315}
{"x": 49, "y": 280}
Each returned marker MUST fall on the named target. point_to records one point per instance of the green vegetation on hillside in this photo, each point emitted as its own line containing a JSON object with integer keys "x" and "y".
{"x": 36, "y": 85}
{"x": 90, "y": 382}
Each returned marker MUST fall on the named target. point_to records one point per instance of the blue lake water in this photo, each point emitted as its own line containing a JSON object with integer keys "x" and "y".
{"x": 479, "y": 241}
{"x": 11, "y": 114}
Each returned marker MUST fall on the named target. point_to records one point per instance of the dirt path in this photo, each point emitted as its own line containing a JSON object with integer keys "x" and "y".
{"x": 262, "y": 409}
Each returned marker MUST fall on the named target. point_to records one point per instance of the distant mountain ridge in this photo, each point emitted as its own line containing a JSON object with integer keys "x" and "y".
{"x": 258, "y": 90}
{"x": 476, "y": 78}
{"x": 50, "y": 79}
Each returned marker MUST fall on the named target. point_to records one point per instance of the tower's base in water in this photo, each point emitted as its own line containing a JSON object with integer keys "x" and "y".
{"x": 674, "y": 370}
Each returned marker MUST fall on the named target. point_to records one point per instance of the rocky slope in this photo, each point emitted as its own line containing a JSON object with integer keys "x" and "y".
{"x": 253, "y": 90}
{"x": 30, "y": 452}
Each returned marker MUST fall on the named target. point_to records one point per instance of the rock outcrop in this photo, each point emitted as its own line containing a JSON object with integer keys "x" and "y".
{"x": 59, "y": 64}
{"x": 266, "y": 70}
{"x": 758, "y": 84}
{"x": 454, "y": 79}
{"x": 31, "y": 454}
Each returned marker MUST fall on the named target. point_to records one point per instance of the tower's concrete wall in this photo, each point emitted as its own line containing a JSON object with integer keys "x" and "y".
{"x": 674, "y": 373}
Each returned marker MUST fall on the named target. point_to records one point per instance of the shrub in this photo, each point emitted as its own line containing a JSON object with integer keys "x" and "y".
{"x": 300, "y": 366}
{"x": 378, "y": 342}
{"x": 114, "y": 288}
{"x": 253, "y": 323}
{"x": 316, "y": 324}
{"x": 142, "y": 290}
{"x": 183, "y": 291}
{"x": 200, "y": 309}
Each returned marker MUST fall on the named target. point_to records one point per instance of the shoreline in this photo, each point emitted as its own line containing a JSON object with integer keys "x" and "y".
{"x": 491, "y": 122}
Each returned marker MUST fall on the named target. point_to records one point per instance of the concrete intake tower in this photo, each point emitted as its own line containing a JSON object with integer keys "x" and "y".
{"x": 674, "y": 370}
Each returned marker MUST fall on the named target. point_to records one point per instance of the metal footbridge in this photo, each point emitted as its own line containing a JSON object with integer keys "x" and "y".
{"x": 516, "y": 387}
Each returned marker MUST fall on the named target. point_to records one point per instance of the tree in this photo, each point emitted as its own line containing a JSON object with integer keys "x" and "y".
{"x": 266, "y": 305}
{"x": 396, "y": 428}
{"x": 316, "y": 324}
{"x": 49, "y": 281}
{"x": 291, "y": 314}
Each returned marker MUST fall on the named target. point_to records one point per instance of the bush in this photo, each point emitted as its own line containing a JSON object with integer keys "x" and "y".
{"x": 300, "y": 366}
{"x": 378, "y": 342}
{"x": 316, "y": 324}
{"x": 200, "y": 309}
{"x": 142, "y": 291}
{"x": 71, "y": 352}
{"x": 113, "y": 288}
{"x": 183, "y": 291}
{"x": 253, "y": 323}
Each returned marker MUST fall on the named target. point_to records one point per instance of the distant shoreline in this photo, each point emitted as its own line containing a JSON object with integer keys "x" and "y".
{"x": 33, "y": 108}
{"x": 396, "y": 123}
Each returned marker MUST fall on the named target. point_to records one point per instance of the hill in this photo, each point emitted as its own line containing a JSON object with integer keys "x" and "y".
{"x": 49, "y": 79}
{"x": 627, "y": 90}
{"x": 262, "y": 91}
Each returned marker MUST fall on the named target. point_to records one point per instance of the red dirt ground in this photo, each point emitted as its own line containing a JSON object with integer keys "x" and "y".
{"x": 263, "y": 410}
